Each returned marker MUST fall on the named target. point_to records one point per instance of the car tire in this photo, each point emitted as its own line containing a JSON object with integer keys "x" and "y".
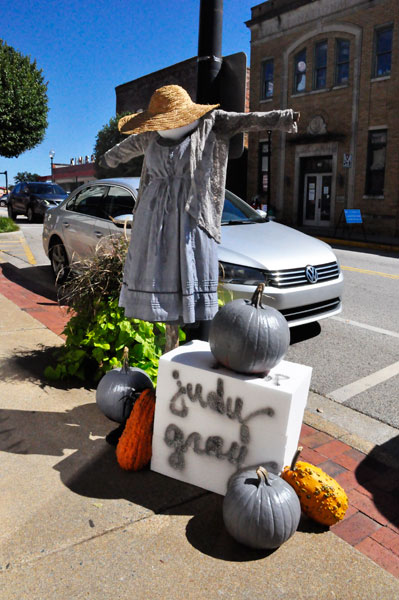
{"x": 11, "y": 213}
{"x": 59, "y": 262}
{"x": 3, "y": 203}
{"x": 31, "y": 215}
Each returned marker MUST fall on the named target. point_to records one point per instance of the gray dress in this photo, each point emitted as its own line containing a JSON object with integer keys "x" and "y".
{"x": 171, "y": 270}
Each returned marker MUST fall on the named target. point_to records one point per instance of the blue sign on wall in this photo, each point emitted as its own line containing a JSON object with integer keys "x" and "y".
{"x": 353, "y": 215}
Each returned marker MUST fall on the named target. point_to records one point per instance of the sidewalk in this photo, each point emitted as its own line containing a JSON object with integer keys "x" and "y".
{"x": 353, "y": 238}
{"x": 74, "y": 525}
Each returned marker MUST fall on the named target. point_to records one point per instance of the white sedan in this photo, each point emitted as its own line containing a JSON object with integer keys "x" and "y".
{"x": 302, "y": 276}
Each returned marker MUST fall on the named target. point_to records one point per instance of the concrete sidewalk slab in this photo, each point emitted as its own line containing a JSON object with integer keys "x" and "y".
{"x": 190, "y": 556}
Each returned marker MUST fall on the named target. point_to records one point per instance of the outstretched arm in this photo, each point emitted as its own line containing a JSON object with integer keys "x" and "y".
{"x": 134, "y": 145}
{"x": 230, "y": 123}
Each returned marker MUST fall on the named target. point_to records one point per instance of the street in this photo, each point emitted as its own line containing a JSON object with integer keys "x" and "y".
{"x": 354, "y": 356}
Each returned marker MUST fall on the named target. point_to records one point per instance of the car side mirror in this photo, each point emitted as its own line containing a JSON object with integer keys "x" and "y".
{"x": 123, "y": 220}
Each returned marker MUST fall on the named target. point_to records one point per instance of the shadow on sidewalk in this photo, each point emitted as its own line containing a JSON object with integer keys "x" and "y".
{"x": 38, "y": 280}
{"x": 379, "y": 474}
{"x": 30, "y": 365}
{"x": 91, "y": 470}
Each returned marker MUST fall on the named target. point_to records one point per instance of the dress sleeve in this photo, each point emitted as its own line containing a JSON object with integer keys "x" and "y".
{"x": 230, "y": 123}
{"x": 134, "y": 145}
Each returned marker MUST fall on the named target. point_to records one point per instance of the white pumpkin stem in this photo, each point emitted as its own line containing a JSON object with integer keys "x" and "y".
{"x": 125, "y": 359}
{"x": 263, "y": 475}
{"x": 256, "y": 299}
{"x": 296, "y": 456}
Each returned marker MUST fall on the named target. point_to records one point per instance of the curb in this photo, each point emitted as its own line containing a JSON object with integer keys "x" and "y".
{"x": 359, "y": 244}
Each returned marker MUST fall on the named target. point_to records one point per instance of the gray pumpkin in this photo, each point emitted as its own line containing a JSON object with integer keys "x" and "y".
{"x": 118, "y": 390}
{"x": 260, "y": 509}
{"x": 247, "y": 337}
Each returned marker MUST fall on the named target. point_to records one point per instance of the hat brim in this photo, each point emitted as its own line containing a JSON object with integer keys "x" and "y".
{"x": 145, "y": 121}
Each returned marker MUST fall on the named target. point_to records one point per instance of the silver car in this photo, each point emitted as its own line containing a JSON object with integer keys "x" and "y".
{"x": 302, "y": 275}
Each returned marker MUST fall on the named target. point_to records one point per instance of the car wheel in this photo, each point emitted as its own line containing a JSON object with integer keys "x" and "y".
{"x": 3, "y": 203}
{"x": 11, "y": 212}
{"x": 59, "y": 262}
{"x": 31, "y": 215}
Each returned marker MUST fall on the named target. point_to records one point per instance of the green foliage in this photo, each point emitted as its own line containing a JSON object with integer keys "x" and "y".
{"x": 98, "y": 331}
{"x": 108, "y": 137}
{"x": 26, "y": 176}
{"x": 7, "y": 225}
{"x": 23, "y": 103}
{"x": 96, "y": 346}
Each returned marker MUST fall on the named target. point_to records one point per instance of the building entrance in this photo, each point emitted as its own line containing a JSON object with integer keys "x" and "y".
{"x": 317, "y": 199}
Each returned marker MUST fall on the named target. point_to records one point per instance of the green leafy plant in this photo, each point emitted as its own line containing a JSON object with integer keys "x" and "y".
{"x": 98, "y": 329}
{"x": 7, "y": 225}
{"x": 23, "y": 103}
{"x": 106, "y": 138}
{"x": 98, "y": 344}
{"x": 26, "y": 176}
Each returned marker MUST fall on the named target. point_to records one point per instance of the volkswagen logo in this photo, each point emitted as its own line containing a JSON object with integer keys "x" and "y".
{"x": 311, "y": 274}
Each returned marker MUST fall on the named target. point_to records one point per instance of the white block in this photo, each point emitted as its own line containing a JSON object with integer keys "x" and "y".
{"x": 211, "y": 422}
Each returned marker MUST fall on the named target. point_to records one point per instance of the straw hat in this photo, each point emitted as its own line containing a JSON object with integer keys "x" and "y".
{"x": 170, "y": 107}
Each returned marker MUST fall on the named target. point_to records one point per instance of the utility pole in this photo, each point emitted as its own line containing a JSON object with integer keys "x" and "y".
{"x": 209, "y": 51}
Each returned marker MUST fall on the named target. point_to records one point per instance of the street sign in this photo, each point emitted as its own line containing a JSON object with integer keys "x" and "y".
{"x": 232, "y": 80}
{"x": 353, "y": 215}
{"x": 347, "y": 162}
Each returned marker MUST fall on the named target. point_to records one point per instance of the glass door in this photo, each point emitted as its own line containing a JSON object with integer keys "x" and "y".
{"x": 317, "y": 199}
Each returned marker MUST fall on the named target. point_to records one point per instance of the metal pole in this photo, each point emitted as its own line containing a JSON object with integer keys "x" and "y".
{"x": 6, "y": 175}
{"x": 209, "y": 50}
{"x": 52, "y": 176}
{"x": 269, "y": 170}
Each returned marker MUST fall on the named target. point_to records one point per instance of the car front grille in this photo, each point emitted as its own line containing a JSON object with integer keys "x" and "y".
{"x": 294, "y": 277}
{"x": 311, "y": 310}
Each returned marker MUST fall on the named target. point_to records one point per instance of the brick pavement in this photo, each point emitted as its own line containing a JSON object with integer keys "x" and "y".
{"x": 371, "y": 523}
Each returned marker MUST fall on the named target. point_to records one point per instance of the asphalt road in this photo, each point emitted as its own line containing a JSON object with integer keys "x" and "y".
{"x": 354, "y": 356}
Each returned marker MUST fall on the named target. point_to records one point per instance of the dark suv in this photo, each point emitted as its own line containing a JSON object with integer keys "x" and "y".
{"x": 33, "y": 198}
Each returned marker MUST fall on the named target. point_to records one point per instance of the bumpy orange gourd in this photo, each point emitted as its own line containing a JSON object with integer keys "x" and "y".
{"x": 134, "y": 448}
{"x": 321, "y": 497}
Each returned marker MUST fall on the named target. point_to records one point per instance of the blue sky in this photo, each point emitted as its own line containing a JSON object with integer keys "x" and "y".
{"x": 87, "y": 48}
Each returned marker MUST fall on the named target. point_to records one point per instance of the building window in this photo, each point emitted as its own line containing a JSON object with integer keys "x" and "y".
{"x": 382, "y": 52}
{"x": 267, "y": 79}
{"x": 376, "y": 152}
{"x": 342, "y": 50}
{"x": 320, "y": 66}
{"x": 300, "y": 72}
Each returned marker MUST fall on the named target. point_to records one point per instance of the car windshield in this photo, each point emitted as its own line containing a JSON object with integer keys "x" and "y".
{"x": 46, "y": 188}
{"x": 237, "y": 212}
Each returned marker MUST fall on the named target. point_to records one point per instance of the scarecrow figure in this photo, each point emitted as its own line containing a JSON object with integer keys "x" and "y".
{"x": 171, "y": 269}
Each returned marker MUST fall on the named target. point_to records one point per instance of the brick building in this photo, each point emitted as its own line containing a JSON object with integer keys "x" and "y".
{"x": 336, "y": 62}
{"x": 135, "y": 96}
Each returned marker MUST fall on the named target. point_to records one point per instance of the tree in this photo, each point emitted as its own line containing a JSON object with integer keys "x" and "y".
{"x": 26, "y": 176}
{"x": 108, "y": 137}
{"x": 23, "y": 103}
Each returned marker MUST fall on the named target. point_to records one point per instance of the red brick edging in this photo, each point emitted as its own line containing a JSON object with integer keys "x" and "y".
{"x": 370, "y": 485}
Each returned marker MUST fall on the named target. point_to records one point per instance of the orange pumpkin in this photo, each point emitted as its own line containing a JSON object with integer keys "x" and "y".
{"x": 320, "y": 496}
{"x": 134, "y": 448}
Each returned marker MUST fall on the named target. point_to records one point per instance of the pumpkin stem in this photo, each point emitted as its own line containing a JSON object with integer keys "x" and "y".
{"x": 296, "y": 456}
{"x": 263, "y": 475}
{"x": 256, "y": 299}
{"x": 125, "y": 359}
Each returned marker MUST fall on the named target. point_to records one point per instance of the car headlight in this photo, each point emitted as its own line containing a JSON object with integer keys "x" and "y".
{"x": 229, "y": 273}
